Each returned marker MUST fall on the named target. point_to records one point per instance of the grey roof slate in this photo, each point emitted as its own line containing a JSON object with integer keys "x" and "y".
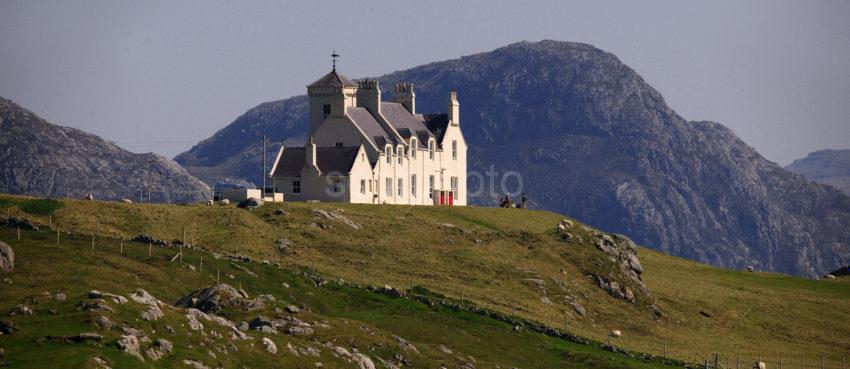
{"x": 370, "y": 126}
{"x": 437, "y": 124}
{"x": 329, "y": 159}
{"x": 333, "y": 79}
{"x": 400, "y": 118}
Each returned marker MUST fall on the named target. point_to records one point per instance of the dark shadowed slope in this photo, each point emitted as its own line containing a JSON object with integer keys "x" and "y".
{"x": 593, "y": 140}
{"x": 42, "y": 159}
{"x": 830, "y": 167}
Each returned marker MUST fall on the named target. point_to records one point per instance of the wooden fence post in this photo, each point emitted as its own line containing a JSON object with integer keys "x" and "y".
{"x": 150, "y": 248}
{"x": 202, "y": 264}
{"x": 121, "y": 250}
{"x": 19, "y": 233}
{"x": 57, "y": 235}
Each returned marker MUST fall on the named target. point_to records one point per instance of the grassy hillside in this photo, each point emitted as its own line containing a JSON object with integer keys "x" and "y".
{"x": 495, "y": 258}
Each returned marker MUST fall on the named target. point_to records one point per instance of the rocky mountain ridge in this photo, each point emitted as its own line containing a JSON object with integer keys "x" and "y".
{"x": 592, "y": 139}
{"x": 42, "y": 159}
{"x": 829, "y": 167}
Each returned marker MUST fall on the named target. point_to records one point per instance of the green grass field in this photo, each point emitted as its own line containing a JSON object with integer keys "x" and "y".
{"x": 706, "y": 310}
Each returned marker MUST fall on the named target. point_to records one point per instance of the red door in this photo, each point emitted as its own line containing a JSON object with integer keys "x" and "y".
{"x": 442, "y": 197}
{"x": 451, "y": 198}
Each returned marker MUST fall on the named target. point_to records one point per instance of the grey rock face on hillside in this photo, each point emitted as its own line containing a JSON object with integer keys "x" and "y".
{"x": 593, "y": 140}
{"x": 41, "y": 159}
{"x": 830, "y": 167}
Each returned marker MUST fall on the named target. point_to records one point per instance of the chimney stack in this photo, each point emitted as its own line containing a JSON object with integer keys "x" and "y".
{"x": 454, "y": 109}
{"x": 369, "y": 95}
{"x": 405, "y": 96}
{"x": 311, "y": 154}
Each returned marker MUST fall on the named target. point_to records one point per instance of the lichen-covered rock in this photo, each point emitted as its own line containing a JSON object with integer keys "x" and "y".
{"x": 129, "y": 344}
{"x": 215, "y": 298}
{"x": 7, "y": 258}
{"x": 269, "y": 345}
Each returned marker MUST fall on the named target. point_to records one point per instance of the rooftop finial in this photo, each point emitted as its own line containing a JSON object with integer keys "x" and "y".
{"x": 333, "y": 57}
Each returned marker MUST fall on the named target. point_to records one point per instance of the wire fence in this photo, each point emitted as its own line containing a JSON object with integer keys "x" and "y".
{"x": 185, "y": 252}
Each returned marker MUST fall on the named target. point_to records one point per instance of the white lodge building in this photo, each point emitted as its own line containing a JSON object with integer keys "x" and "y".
{"x": 364, "y": 150}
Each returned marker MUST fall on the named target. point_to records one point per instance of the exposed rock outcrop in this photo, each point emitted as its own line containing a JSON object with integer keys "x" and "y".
{"x": 7, "y": 258}
{"x": 215, "y": 298}
{"x": 42, "y": 159}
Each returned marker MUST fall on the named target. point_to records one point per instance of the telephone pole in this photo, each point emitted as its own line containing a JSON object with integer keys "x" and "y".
{"x": 263, "y": 192}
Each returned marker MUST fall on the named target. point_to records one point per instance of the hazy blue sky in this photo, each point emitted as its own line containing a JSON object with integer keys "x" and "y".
{"x": 162, "y": 75}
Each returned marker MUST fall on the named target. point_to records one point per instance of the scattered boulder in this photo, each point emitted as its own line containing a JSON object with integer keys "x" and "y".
{"x": 284, "y": 245}
{"x": 89, "y": 197}
{"x": 250, "y": 203}
{"x": 104, "y": 323}
{"x": 299, "y": 331}
{"x": 750, "y": 268}
{"x": 406, "y": 346}
{"x": 129, "y": 344}
{"x": 225, "y": 202}
{"x": 7, "y": 327}
{"x": 577, "y": 306}
{"x": 83, "y": 337}
{"x": 335, "y": 215}
{"x": 22, "y": 309}
{"x": 143, "y": 238}
{"x": 194, "y": 364}
{"x": 160, "y": 348}
{"x": 7, "y": 258}
{"x": 269, "y": 345}
{"x": 292, "y": 309}
{"x": 59, "y": 296}
{"x": 96, "y": 305}
{"x": 127, "y": 201}
{"x": 15, "y": 222}
{"x": 260, "y": 321}
{"x": 656, "y": 310}
{"x": 759, "y": 365}
{"x": 615, "y": 333}
{"x": 362, "y": 361}
{"x": 153, "y": 312}
{"x": 213, "y": 299}
{"x": 192, "y": 318}
{"x": 101, "y": 363}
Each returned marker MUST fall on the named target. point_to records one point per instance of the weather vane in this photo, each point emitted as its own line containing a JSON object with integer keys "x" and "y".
{"x": 333, "y": 57}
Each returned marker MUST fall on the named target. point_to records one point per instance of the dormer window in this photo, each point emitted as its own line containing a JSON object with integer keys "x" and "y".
{"x": 389, "y": 152}
{"x": 326, "y": 110}
{"x": 431, "y": 149}
{"x": 413, "y": 148}
{"x": 400, "y": 154}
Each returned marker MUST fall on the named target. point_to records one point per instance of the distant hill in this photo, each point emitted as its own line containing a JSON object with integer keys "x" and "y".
{"x": 830, "y": 167}
{"x": 43, "y": 159}
{"x": 592, "y": 139}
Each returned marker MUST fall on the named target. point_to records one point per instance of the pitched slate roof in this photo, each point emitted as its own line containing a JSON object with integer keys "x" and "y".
{"x": 373, "y": 130}
{"x": 329, "y": 159}
{"x": 437, "y": 124}
{"x": 405, "y": 123}
{"x": 333, "y": 79}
